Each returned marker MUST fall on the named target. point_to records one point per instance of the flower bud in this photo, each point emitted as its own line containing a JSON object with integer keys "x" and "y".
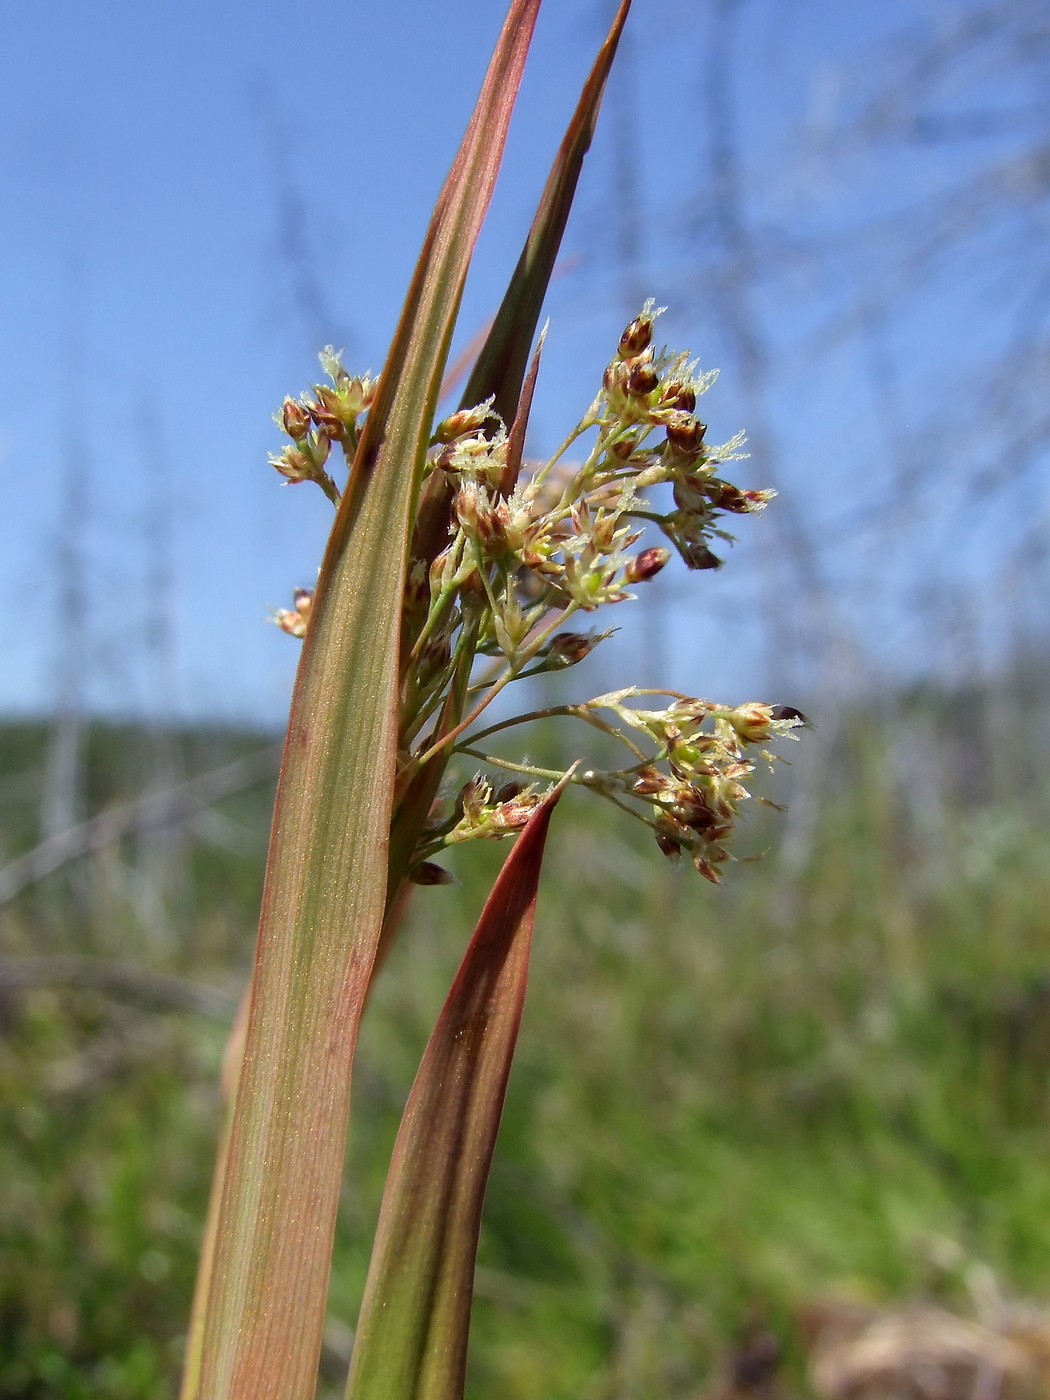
{"x": 671, "y": 836}
{"x": 647, "y": 564}
{"x": 624, "y": 446}
{"x": 512, "y": 815}
{"x": 435, "y": 657}
{"x": 751, "y": 721}
{"x": 685, "y": 431}
{"x": 295, "y": 419}
{"x": 650, "y": 781}
{"x": 698, "y": 556}
{"x": 637, "y": 337}
{"x": 417, "y": 586}
{"x": 603, "y": 532}
{"x": 782, "y": 712}
{"x": 467, "y": 507}
{"x": 428, "y": 873}
{"x": 303, "y": 602}
{"x": 671, "y": 849}
{"x": 679, "y": 396}
{"x": 294, "y": 464}
{"x": 467, "y": 420}
{"x": 570, "y": 648}
{"x": 291, "y": 622}
{"x": 706, "y": 869}
{"x": 642, "y": 379}
{"x": 328, "y": 413}
{"x": 724, "y": 496}
{"x": 614, "y": 380}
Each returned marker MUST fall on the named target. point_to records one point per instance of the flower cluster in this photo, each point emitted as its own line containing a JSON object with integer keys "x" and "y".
{"x": 694, "y": 780}
{"x": 332, "y": 413}
{"x": 295, "y": 620}
{"x": 505, "y": 551}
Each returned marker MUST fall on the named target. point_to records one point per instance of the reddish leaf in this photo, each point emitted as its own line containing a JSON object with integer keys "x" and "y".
{"x": 412, "y": 1332}
{"x": 501, "y": 365}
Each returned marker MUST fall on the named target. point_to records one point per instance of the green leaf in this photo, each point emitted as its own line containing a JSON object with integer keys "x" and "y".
{"x": 411, "y": 1341}
{"x": 326, "y": 876}
{"x": 500, "y": 367}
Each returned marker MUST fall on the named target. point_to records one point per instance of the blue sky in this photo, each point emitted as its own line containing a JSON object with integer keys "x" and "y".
{"x": 200, "y": 194}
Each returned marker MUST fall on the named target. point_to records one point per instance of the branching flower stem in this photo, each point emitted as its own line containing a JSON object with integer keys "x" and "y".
{"x": 553, "y": 775}
{"x": 576, "y": 433}
{"x": 511, "y": 673}
{"x": 552, "y": 712}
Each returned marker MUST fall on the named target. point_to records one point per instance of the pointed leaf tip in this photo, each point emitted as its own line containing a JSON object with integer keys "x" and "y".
{"x": 413, "y": 1328}
{"x": 500, "y": 367}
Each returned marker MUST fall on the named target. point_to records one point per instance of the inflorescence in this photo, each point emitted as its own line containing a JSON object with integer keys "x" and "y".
{"x": 519, "y": 549}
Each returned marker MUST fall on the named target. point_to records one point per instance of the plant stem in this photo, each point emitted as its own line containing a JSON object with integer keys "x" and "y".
{"x": 509, "y": 674}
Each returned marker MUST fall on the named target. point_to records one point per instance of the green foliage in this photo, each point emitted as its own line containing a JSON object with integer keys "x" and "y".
{"x": 725, "y": 1101}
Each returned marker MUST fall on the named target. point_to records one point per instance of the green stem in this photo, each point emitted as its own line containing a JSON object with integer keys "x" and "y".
{"x": 553, "y": 774}
{"x": 552, "y": 712}
{"x": 509, "y": 674}
{"x": 329, "y": 487}
{"x": 545, "y": 471}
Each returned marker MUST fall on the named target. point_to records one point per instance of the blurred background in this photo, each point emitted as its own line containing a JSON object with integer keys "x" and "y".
{"x": 784, "y": 1137}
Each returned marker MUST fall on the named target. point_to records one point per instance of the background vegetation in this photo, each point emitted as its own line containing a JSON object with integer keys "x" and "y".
{"x": 827, "y": 1078}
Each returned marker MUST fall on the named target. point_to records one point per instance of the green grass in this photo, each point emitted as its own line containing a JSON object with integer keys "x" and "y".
{"x": 726, "y": 1103}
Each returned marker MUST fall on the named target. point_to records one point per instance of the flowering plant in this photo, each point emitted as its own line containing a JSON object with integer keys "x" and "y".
{"x": 452, "y": 570}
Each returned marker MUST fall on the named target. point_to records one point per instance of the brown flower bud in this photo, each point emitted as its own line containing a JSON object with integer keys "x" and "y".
{"x": 428, "y": 873}
{"x": 295, "y": 419}
{"x": 637, "y": 337}
{"x": 642, "y": 379}
{"x": 651, "y": 781}
{"x": 294, "y": 465}
{"x": 788, "y": 712}
{"x": 624, "y": 447}
{"x": 328, "y": 413}
{"x": 671, "y": 849}
{"x": 303, "y": 601}
{"x": 724, "y": 496}
{"x": 686, "y": 432}
{"x": 678, "y": 395}
{"x": 615, "y": 379}
{"x": 436, "y": 656}
{"x": 647, "y": 564}
{"x": 467, "y": 420}
{"x": 698, "y": 556}
{"x": 570, "y": 648}
{"x": 417, "y": 586}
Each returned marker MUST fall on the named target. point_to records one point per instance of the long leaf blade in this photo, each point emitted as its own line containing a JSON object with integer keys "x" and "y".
{"x": 326, "y": 876}
{"x": 500, "y": 367}
{"x": 412, "y": 1331}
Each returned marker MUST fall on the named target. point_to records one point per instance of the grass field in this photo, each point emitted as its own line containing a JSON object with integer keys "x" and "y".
{"x": 829, "y": 1077}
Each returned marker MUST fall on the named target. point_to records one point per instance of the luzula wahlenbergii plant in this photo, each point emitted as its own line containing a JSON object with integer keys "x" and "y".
{"x": 454, "y": 568}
